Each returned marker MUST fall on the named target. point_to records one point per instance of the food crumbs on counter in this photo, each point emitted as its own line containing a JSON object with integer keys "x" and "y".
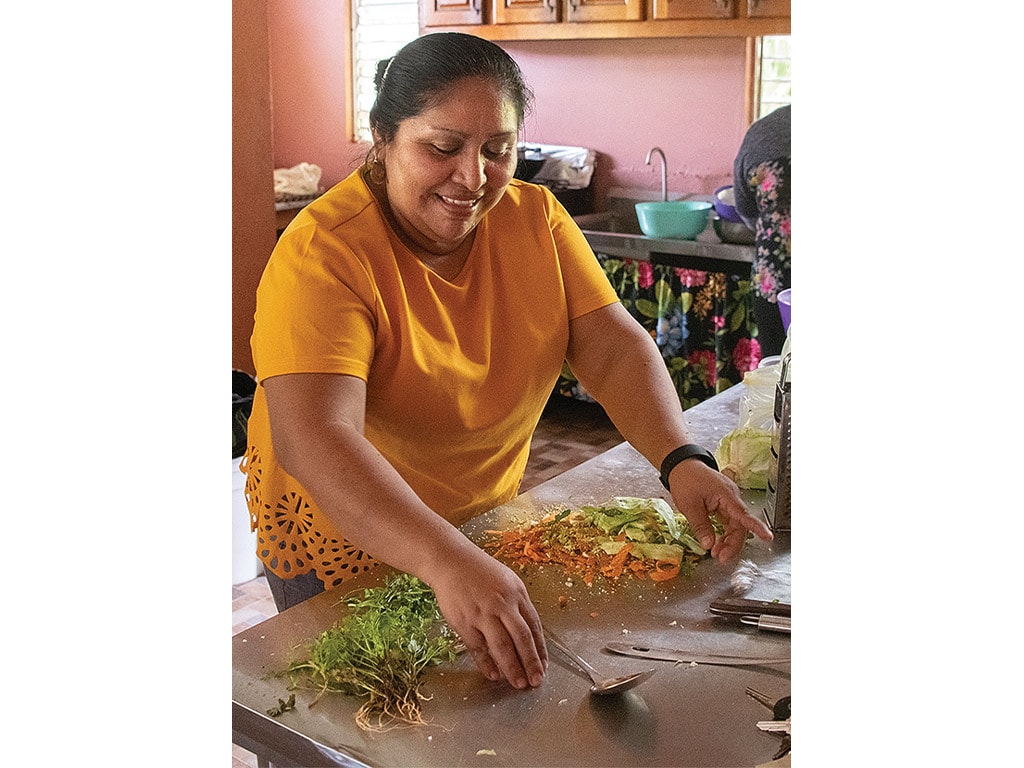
{"x": 562, "y": 601}
{"x": 673, "y": 623}
{"x": 625, "y": 631}
{"x": 430, "y": 738}
{"x": 693, "y": 663}
{"x": 486, "y": 752}
{"x": 594, "y": 614}
{"x": 563, "y": 701}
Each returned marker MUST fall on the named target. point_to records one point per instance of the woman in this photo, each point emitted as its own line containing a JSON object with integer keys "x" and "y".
{"x": 761, "y": 181}
{"x": 404, "y": 363}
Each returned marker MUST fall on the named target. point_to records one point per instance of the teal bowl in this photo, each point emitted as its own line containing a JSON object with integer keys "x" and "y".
{"x": 678, "y": 219}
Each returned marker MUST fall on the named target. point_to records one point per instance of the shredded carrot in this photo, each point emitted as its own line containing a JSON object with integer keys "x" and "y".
{"x": 614, "y": 569}
{"x": 665, "y": 570}
{"x": 573, "y": 544}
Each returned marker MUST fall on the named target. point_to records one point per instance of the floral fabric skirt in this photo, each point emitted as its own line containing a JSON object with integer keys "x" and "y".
{"x": 701, "y": 321}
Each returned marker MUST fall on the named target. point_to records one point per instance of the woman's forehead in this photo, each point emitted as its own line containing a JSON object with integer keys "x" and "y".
{"x": 470, "y": 108}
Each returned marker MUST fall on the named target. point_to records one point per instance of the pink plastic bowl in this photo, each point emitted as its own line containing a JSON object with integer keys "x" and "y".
{"x": 785, "y": 307}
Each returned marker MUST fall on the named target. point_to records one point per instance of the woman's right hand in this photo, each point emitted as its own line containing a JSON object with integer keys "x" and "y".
{"x": 489, "y": 608}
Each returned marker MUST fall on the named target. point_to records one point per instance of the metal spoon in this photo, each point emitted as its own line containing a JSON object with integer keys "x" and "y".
{"x": 602, "y": 685}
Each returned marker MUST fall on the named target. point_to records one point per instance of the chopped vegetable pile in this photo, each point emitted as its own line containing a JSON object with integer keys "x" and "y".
{"x": 641, "y": 538}
{"x": 379, "y": 651}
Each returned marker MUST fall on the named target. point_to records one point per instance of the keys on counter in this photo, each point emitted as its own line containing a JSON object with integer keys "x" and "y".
{"x": 781, "y": 719}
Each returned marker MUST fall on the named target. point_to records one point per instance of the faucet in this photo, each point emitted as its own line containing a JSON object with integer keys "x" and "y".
{"x": 664, "y": 171}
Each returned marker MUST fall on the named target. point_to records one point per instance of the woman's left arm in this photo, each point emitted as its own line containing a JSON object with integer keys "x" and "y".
{"x": 618, "y": 362}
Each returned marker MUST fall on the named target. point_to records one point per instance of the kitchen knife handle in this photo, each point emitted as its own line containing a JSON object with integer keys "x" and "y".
{"x": 739, "y": 606}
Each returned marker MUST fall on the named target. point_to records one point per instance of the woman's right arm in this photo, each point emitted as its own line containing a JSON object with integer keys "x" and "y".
{"x": 316, "y": 423}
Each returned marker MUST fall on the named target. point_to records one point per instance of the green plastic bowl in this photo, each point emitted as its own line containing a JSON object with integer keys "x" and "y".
{"x": 678, "y": 219}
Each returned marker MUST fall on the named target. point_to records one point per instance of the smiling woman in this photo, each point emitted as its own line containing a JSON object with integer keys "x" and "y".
{"x": 403, "y": 363}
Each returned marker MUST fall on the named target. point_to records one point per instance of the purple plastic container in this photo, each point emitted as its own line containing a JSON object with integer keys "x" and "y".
{"x": 725, "y": 209}
{"x": 785, "y": 307}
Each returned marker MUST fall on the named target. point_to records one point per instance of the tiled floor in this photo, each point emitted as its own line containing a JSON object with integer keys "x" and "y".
{"x": 569, "y": 433}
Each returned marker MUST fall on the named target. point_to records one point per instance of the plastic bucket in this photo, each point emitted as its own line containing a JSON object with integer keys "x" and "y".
{"x": 244, "y": 563}
{"x": 785, "y": 307}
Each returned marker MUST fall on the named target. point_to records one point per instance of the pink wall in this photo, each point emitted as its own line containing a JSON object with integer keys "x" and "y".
{"x": 619, "y": 97}
{"x": 308, "y": 64}
{"x": 622, "y": 97}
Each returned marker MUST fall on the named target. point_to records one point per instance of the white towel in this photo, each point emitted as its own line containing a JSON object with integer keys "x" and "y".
{"x": 299, "y": 181}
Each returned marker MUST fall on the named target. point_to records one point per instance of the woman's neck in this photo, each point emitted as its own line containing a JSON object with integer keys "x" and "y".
{"x": 446, "y": 263}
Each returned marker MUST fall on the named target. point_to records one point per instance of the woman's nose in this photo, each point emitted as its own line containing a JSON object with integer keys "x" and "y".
{"x": 470, "y": 171}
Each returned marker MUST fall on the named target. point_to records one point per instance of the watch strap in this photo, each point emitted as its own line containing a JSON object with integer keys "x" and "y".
{"x": 682, "y": 453}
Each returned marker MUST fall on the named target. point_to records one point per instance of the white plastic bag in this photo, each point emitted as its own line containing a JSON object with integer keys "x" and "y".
{"x": 757, "y": 403}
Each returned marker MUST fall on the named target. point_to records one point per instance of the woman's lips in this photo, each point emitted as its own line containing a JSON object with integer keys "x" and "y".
{"x": 462, "y": 204}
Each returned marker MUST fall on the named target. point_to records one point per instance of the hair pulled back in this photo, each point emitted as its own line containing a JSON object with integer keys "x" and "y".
{"x": 416, "y": 77}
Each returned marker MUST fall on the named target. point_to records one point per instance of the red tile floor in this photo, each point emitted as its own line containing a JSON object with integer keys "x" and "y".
{"x": 569, "y": 433}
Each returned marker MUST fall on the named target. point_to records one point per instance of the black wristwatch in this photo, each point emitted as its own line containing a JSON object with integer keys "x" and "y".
{"x": 682, "y": 453}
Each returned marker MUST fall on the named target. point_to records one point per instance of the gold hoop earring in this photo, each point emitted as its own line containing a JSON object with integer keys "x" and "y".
{"x": 378, "y": 173}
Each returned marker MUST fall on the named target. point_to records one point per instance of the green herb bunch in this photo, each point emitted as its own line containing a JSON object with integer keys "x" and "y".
{"x": 380, "y": 650}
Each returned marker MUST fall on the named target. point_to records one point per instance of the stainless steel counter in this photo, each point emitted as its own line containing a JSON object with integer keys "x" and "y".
{"x": 686, "y": 715}
{"x": 617, "y": 234}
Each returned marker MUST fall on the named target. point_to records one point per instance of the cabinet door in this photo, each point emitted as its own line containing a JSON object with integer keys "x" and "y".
{"x": 605, "y": 10}
{"x": 446, "y": 13}
{"x": 696, "y": 9}
{"x": 768, "y": 9}
{"x": 526, "y": 11}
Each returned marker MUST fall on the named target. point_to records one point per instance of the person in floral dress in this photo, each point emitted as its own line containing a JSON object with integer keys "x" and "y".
{"x": 761, "y": 182}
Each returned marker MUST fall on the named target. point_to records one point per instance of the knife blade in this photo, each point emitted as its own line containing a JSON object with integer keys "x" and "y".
{"x": 675, "y": 654}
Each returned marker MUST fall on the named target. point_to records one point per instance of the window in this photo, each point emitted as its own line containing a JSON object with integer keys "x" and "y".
{"x": 379, "y": 29}
{"x": 773, "y": 80}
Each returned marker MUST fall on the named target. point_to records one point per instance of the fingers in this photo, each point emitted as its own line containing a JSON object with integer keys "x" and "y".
{"x": 499, "y": 625}
{"x": 510, "y": 652}
{"x": 701, "y": 493}
{"x": 729, "y": 546}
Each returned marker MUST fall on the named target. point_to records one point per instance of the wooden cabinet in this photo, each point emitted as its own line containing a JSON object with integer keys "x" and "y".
{"x": 527, "y": 11}
{"x": 567, "y": 11}
{"x": 447, "y": 13}
{"x": 609, "y": 19}
{"x": 605, "y": 10}
{"x": 694, "y": 9}
{"x": 720, "y": 9}
{"x": 767, "y": 9}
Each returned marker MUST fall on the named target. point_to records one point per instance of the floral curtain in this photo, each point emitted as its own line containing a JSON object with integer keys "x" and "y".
{"x": 701, "y": 321}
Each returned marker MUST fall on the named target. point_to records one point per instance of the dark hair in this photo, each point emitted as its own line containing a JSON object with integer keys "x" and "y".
{"x": 415, "y": 78}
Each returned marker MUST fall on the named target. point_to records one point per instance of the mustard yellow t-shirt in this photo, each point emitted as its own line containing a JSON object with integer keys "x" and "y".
{"x": 457, "y": 371}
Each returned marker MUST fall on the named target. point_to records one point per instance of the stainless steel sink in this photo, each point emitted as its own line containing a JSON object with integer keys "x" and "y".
{"x": 616, "y": 232}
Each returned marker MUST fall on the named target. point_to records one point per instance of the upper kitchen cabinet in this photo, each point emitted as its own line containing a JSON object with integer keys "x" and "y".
{"x": 611, "y": 19}
{"x": 557, "y": 11}
{"x": 445, "y": 13}
{"x": 768, "y": 9}
{"x": 720, "y": 9}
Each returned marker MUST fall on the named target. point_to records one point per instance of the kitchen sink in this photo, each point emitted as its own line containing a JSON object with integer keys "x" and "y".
{"x": 616, "y": 232}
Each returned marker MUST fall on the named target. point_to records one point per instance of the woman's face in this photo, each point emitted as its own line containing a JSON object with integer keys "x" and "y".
{"x": 450, "y": 164}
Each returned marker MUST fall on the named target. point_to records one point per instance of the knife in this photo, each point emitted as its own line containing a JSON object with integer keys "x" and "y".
{"x": 673, "y": 654}
{"x": 739, "y": 606}
{"x": 772, "y": 623}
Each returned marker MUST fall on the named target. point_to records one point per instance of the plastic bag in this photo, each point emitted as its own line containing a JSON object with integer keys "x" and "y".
{"x": 744, "y": 455}
{"x": 757, "y": 403}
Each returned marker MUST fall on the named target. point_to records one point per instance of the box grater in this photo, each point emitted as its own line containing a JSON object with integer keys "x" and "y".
{"x": 777, "y": 497}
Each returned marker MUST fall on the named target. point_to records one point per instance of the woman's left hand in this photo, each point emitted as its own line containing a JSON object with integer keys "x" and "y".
{"x": 699, "y": 492}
